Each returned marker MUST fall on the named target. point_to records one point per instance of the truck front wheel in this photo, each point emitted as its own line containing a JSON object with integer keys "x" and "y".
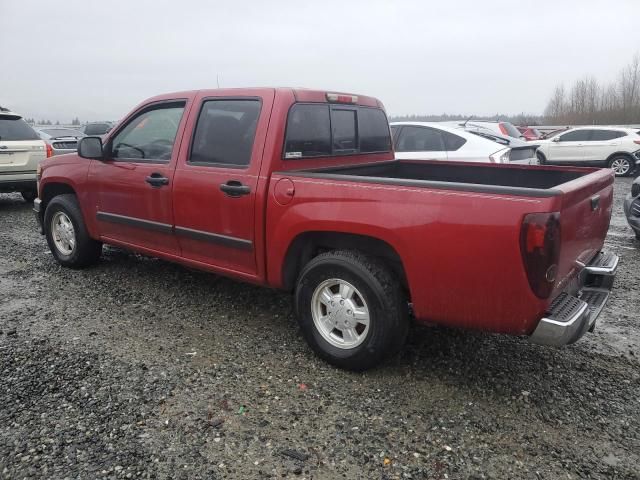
{"x": 351, "y": 309}
{"x": 67, "y": 235}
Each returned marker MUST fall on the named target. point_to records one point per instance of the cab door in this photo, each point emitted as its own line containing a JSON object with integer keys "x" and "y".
{"x": 216, "y": 180}
{"x": 133, "y": 184}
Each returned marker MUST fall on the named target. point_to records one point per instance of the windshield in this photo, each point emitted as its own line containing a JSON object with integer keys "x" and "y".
{"x": 16, "y": 129}
{"x": 62, "y": 132}
{"x": 510, "y": 129}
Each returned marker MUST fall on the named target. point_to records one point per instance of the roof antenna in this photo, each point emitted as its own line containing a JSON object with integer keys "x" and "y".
{"x": 465, "y": 122}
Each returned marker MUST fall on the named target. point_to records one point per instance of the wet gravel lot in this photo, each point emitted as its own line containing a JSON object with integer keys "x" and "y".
{"x": 140, "y": 368}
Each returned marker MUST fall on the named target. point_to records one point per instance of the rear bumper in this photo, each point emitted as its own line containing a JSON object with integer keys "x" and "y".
{"x": 569, "y": 316}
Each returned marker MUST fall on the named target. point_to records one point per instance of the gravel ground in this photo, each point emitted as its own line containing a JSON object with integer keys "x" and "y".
{"x": 140, "y": 368}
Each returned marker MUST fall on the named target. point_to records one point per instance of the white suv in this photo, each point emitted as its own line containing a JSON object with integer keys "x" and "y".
{"x": 614, "y": 147}
{"x": 21, "y": 150}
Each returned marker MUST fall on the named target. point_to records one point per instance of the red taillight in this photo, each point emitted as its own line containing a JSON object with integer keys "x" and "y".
{"x": 637, "y": 141}
{"x": 540, "y": 247}
{"x": 49, "y": 150}
{"x": 340, "y": 98}
{"x": 503, "y": 129}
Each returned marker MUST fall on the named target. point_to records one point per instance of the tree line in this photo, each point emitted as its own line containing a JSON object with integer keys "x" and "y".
{"x": 32, "y": 121}
{"x": 589, "y": 102}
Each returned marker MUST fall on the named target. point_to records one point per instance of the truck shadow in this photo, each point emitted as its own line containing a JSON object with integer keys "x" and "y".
{"x": 13, "y": 202}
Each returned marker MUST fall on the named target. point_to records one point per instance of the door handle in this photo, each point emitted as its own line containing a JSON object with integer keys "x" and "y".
{"x": 233, "y": 188}
{"x": 157, "y": 180}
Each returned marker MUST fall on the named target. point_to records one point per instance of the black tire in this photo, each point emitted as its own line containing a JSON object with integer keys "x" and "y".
{"x": 86, "y": 250}
{"x": 627, "y": 160}
{"x": 29, "y": 195}
{"x": 637, "y": 235}
{"x": 383, "y": 295}
{"x": 541, "y": 158}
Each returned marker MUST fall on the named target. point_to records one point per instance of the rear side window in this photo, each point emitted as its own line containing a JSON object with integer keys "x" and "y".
{"x": 452, "y": 142}
{"x": 420, "y": 139}
{"x": 575, "y": 136}
{"x": 600, "y": 135}
{"x": 225, "y": 132}
{"x": 16, "y": 129}
{"x": 321, "y": 130}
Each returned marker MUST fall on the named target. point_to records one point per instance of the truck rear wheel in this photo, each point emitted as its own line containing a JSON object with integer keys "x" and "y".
{"x": 67, "y": 235}
{"x": 351, "y": 309}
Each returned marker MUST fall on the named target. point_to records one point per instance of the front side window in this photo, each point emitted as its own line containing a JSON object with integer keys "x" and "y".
{"x": 575, "y": 136}
{"x": 322, "y": 130}
{"x": 225, "y": 132}
{"x": 150, "y": 135}
{"x": 420, "y": 139}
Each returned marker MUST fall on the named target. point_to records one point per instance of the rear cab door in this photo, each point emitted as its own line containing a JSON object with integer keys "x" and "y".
{"x": 601, "y": 144}
{"x": 131, "y": 188}
{"x": 216, "y": 192}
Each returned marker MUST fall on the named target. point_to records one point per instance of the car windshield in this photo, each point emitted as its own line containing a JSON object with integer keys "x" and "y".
{"x": 16, "y": 129}
{"x": 62, "y": 132}
{"x": 510, "y": 129}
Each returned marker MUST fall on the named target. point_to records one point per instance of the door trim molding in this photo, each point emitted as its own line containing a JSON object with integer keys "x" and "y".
{"x": 134, "y": 222}
{"x": 225, "y": 240}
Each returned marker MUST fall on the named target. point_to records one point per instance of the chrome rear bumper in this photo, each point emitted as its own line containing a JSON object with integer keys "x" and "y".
{"x": 569, "y": 317}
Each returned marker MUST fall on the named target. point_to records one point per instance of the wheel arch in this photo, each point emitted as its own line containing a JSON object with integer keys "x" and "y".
{"x": 620, "y": 154}
{"x": 308, "y": 245}
{"x": 53, "y": 189}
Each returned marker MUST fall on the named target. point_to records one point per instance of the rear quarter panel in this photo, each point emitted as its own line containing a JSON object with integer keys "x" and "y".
{"x": 460, "y": 250}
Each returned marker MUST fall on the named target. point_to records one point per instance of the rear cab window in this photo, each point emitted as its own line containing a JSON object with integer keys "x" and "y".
{"x": 324, "y": 130}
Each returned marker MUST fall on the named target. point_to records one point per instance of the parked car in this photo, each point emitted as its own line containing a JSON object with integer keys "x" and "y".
{"x": 299, "y": 190}
{"x": 60, "y": 139}
{"x": 612, "y": 147}
{"x": 97, "y": 128}
{"x": 530, "y": 133}
{"x": 21, "y": 150}
{"x": 521, "y": 150}
{"x": 504, "y": 128}
{"x": 553, "y": 133}
{"x": 632, "y": 207}
{"x": 422, "y": 140}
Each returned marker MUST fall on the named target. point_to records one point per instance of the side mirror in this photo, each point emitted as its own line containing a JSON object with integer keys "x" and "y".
{"x": 91, "y": 147}
{"x": 555, "y": 139}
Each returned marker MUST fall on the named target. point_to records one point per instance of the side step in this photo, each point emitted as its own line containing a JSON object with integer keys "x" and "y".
{"x": 604, "y": 263}
{"x": 596, "y": 299}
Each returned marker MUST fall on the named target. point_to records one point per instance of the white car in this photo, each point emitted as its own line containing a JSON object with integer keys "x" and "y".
{"x": 613, "y": 147}
{"x": 434, "y": 141}
{"x": 21, "y": 150}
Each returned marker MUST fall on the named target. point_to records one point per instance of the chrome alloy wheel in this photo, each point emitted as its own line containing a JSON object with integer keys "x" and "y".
{"x": 63, "y": 233}
{"x": 340, "y": 313}
{"x": 621, "y": 166}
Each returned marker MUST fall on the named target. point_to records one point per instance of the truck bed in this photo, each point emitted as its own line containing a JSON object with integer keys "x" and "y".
{"x": 498, "y": 178}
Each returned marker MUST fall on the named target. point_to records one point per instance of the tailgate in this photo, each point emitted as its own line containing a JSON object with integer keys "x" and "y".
{"x": 17, "y": 155}
{"x": 585, "y": 212}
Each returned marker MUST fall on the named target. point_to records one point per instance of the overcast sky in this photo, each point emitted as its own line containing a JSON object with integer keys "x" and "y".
{"x": 96, "y": 60}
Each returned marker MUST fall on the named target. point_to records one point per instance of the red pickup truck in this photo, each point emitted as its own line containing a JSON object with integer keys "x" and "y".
{"x": 299, "y": 190}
